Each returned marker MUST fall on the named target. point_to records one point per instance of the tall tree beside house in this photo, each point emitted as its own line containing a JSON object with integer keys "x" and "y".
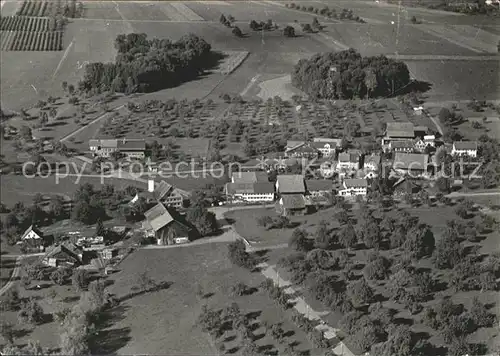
{"x": 99, "y": 229}
{"x": 204, "y": 220}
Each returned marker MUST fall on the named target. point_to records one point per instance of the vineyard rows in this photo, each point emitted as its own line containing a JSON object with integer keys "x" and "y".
{"x": 68, "y": 8}
{"x": 22, "y": 23}
{"x": 31, "y": 41}
{"x": 35, "y": 8}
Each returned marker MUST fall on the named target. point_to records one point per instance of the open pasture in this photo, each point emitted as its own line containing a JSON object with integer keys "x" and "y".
{"x": 157, "y": 319}
{"x": 19, "y": 188}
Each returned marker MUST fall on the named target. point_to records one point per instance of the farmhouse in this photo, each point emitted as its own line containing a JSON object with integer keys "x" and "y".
{"x": 165, "y": 193}
{"x": 290, "y": 184}
{"x": 353, "y": 187}
{"x": 62, "y": 256}
{"x": 32, "y": 233}
{"x": 291, "y": 205}
{"x": 413, "y": 164}
{"x": 427, "y": 142}
{"x": 464, "y": 148}
{"x": 327, "y": 146}
{"x": 301, "y": 150}
{"x": 397, "y": 131}
{"x": 249, "y": 177}
{"x": 348, "y": 161}
{"x": 401, "y": 146}
{"x": 258, "y": 192}
{"x": 165, "y": 226}
{"x": 319, "y": 187}
{"x": 131, "y": 148}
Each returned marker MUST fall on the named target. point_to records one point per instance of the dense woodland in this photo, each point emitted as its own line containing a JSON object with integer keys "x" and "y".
{"x": 347, "y": 75}
{"x": 144, "y": 65}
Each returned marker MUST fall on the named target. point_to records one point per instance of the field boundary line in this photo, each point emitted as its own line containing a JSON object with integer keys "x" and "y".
{"x": 63, "y": 58}
{"x": 15, "y": 274}
{"x": 432, "y": 32}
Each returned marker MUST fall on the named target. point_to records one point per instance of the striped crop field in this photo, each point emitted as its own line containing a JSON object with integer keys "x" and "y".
{"x": 23, "y": 23}
{"x": 31, "y": 41}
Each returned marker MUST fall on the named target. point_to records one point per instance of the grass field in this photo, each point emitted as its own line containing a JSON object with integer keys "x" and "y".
{"x": 169, "y": 317}
{"x": 18, "y": 188}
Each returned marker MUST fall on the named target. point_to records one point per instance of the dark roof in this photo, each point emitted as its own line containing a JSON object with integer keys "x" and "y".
{"x": 158, "y": 216}
{"x": 400, "y": 129}
{"x": 303, "y": 147}
{"x": 293, "y": 201}
{"x": 62, "y": 249}
{"x": 348, "y": 157}
{"x": 31, "y": 228}
{"x": 465, "y": 145}
{"x": 402, "y": 144}
{"x": 249, "y": 177}
{"x": 105, "y": 143}
{"x": 356, "y": 182}
{"x": 373, "y": 158}
{"x": 413, "y": 161}
{"x": 291, "y": 183}
{"x": 315, "y": 185}
{"x": 126, "y": 144}
{"x": 263, "y": 188}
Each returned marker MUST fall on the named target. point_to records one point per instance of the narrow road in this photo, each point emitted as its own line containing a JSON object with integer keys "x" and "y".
{"x": 65, "y": 138}
{"x": 303, "y": 308}
{"x": 435, "y": 121}
{"x": 13, "y": 276}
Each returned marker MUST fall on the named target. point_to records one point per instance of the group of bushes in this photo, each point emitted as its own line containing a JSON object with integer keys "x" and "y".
{"x": 348, "y": 75}
{"x": 144, "y": 65}
{"x": 327, "y": 12}
{"x": 262, "y": 26}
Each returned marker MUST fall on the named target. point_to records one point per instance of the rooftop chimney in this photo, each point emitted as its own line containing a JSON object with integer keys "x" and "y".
{"x": 151, "y": 185}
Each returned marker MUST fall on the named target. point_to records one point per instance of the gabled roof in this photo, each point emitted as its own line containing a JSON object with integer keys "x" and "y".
{"x": 355, "y": 183}
{"x": 318, "y": 185}
{"x": 104, "y": 143}
{"x": 465, "y": 145}
{"x": 62, "y": 249}
{"x": 127, "y": 144}
{"x": 400, "y": 129}
{"x": 29, "y": 229}
{"x": 291, "y": 183}
{"x": 402, "y": 144}
{"x": 249, "y": 177}
{"x": 293, "y": 201}
{"x": 413, "y": 161}
{"x": 161, "y": 190}
{"x": 158, "y": 216}
{"x": 328, "y": 140}
{"x": 263, "y": 188}
{"x": 348, "y": 157}
{"x": 293, "y": 143}
{"x": 304, "y": 147}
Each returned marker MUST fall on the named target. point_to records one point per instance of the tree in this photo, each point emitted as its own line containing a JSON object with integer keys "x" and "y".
{"x": 347, "y": 236}
{"x": 237, "y": 32}
{"x": 7, "y": 331}
{"x": 307, "y": 28}
{"x": 80, "y": 280}
{"x": 31, "y": 312}
{"x": 413, "y": 20}
{"x": 11, "y": 299}
{"x": 299, "y": 241}
{"x": 145, "y": 282}
{"x": 289, "y": 31}
{"x": 53, "y": 112}
{"x": 360, "y": 292}
{"x": 97, "y": 295}
{"x": 448, "y": 252}
{"x": 60, "y": 276}
{"x": 377, "y": 268}
{"x": 419, "y": 242}
{"x": 204, "y": 220}
{"x": 316, "y": 24}
{"x": 239, "y": 289}
{"x": 223, "y": 19}
{"x": 99, "y": 229}
{"x": 277, "y": 333}
{"x": 238, "y": 255}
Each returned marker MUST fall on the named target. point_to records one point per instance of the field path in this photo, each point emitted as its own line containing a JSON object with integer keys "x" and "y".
{"x": 13, "y": 276}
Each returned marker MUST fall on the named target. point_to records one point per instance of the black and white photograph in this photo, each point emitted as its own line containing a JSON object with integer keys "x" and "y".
{"x": 250, "y": 178}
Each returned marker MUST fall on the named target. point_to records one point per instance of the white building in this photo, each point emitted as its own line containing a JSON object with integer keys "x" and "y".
{"x": 353, "y": 187}
{"x": 259, "y": 192}
{"x": 372, "y": 163}
{"x": 32, "y": 233}
{"x": 464, "y": 148}
{"x": 327, "y": 146}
